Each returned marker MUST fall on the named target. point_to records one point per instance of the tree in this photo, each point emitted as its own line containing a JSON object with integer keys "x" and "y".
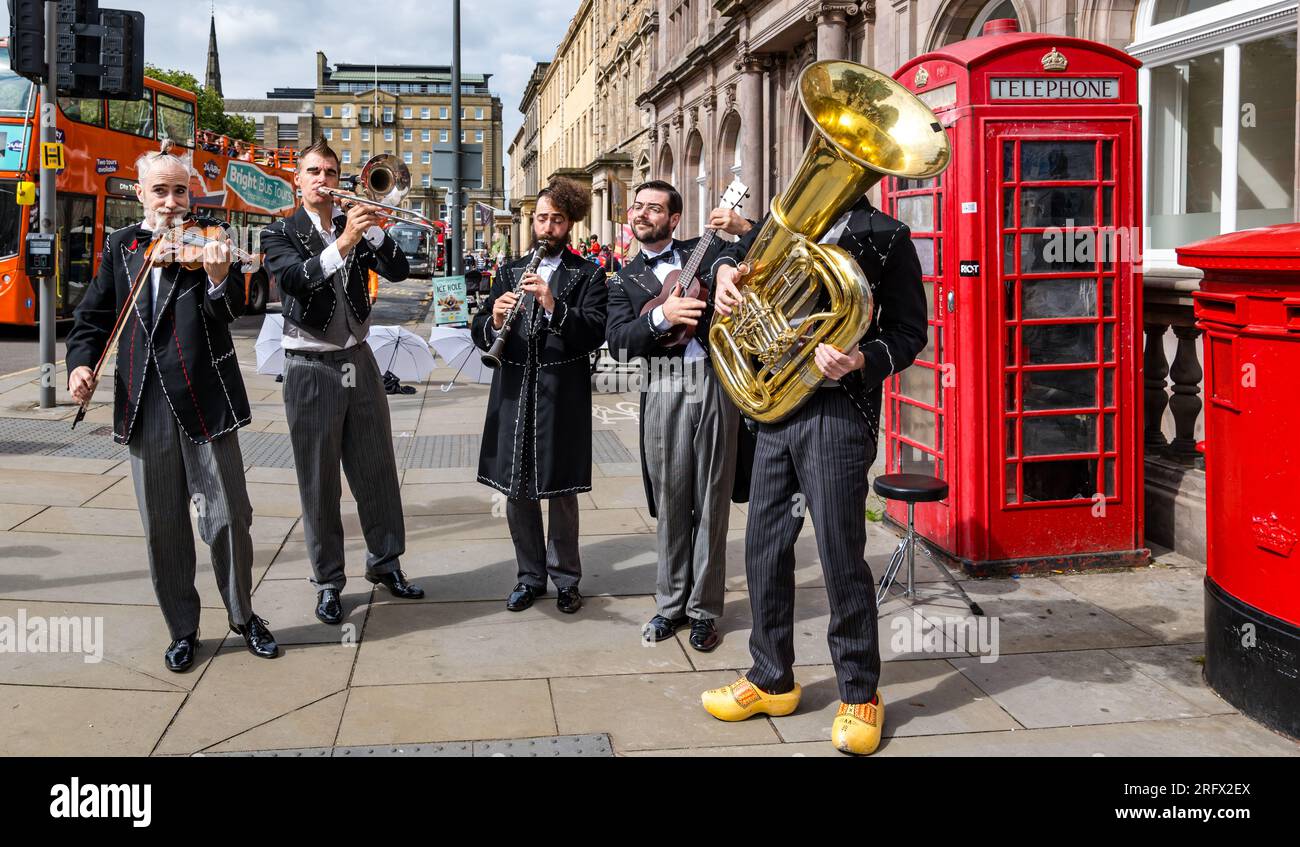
{"x": 212, "y": 108}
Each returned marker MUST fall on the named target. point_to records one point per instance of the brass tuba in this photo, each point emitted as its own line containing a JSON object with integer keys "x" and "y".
{"x": 866, "y": 127}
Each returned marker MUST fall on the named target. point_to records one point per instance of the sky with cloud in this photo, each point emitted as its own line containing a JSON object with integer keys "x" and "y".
{"x": 267, "y": 44}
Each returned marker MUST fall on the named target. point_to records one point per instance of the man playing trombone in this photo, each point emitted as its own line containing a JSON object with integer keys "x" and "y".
{"x": 537, "y": 436}
{"x": 333, "y": 393}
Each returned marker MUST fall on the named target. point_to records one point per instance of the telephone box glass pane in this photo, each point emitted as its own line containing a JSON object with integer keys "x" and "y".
{"x": 1011, "y": 438}
{"x": 1062, "y": 206}
{"x": 1009, "y": 291}
{"x": 1060, "y": 345}
{"x": 1008, "y": 208}
{"x": 1057, "y": 252}
{"x": 1267, "y": 138}
{"x": 1057, "y": 160}
{"x": 925, "y": 252}
{"x": 1057, "y": 434}
{"x": 1108, "y": 438}
{"x": 1187, "y": 126}
{"x": 916, "y": 212}
{"x": 1068, "y": 479}
{"x": 916, "y": 424}
{"x": 1058, "y": 298}
{"x": 1108, "y": 205}
{"x": 1107, "y": 297}
{"x": 1060, "y": 389}
{"x": 918, "y": 383}
{"x": 1008, "y": 161}
{"x": 1107, "y": 158}
{"x": 913, "y": 460}
{"x": 1110, "y": 477}
{"x": 1011, "y": 392}
{"x": 1011, "y": 484}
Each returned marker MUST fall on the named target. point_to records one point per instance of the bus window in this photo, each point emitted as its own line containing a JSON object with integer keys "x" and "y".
{"x": 133, "y": 116}
{"x": 256, "y": 223}
{"x": 10, "y": 215}
{"x": 83, "y": 110}
{"x": 15, "y": 91}
{"x": 76, "y": 266}
{"x": 175, "y": 120}
{"x": 120, "y": 212}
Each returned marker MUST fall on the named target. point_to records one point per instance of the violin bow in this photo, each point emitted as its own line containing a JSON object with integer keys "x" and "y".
{"x": 137, "y": 285}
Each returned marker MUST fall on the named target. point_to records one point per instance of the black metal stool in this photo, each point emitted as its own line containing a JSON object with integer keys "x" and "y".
{"x": 911, "y": 488}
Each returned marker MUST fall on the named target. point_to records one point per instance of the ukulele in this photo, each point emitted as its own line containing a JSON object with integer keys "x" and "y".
{"x": 686, "y": 281}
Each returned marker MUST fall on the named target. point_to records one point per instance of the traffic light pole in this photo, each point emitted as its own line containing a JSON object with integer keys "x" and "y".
{"x": 49, "y": 211}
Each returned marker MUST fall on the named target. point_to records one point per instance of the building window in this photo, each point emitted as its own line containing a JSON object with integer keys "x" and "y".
{"x": 388, "y": 114}
{"x": 408, "y": 157}
{"x": 424, "y": 113}
{"x": 1206, "y": 176}
{"x": 408, "y": 135}
{"x": 328, "y": 111}
{"x": 426, "y": 157}
{"x": 478, "y": 136}
{"x": 365, "y": 114}
{"x": 345, "y": 112}
{"x": 426, "y": 181}
{"x": 406, "y": 112}
{"x": 425, "y": 134}
{"x": 478, "y": 113}
{"x": 365, "y": 154}
{"x": 443, "y": 136}
{"x": 462, "y": 136}
{"x": 329, "y": 133}
{"x": 365, "y": 133}
{"x": 347, "y": 157}
{"x": 992, "y": 11}
{"x": 347, "y": 134}
{"x": 388, "y": 133}
{"x": 442, "y": 113}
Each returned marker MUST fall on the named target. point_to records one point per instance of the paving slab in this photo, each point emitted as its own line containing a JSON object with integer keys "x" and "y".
{"x": 435, "y": 531}
{"x": 650, "y": 711}
{"x": 129, "y": 640}
{"x": 42, "y": 721}
{"x": 412, "y": 714}
{"x": 1181, "y": 669}
{"x": 11, "y": 514}
{"x": 289, "y": 608}
{"x": 239, "y": 691}
{"x": 314, "y": 725}
{"x": 1074, "y": 687}
{"x": 1164, "y": 601}
{"x": 451, "y": 642}
{"x": 50, "y": 489}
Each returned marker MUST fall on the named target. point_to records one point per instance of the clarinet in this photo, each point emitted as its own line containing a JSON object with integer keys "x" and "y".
{"x": 492, "y": 358}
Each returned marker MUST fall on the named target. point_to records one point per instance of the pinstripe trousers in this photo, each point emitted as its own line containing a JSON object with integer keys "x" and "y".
{"x": 690, "y": 452}
{"x": 171, "y": 473}
{"x": 338, "y": 411}
{"x": 823, "y": 451}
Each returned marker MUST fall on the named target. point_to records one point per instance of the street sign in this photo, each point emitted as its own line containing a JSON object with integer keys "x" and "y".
{"x": 471, "y": 165}
{"x": 52, "y": 155}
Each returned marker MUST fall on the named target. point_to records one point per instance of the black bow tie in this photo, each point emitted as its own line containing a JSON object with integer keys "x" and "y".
{"x": 668, "y": 255}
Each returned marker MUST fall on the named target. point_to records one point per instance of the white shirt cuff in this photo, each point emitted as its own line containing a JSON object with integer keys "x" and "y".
{"x": 657, "y": 318}
{"x": 330, "y": 261}
{"x": 215, "y": 290}
{"x": 375, "y": 235}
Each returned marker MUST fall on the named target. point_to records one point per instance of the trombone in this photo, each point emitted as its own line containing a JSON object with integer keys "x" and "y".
{"x": 384, "y": 181}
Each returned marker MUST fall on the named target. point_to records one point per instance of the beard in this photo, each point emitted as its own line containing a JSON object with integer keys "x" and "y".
{"x": 554, "y": 246}
{"x": 651, "y": 236}
{"x": 156, "y": 220}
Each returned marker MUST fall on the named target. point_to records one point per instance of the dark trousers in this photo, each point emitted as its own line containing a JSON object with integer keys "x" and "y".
{"x": 822, "y": 452}
{"x": 338, "y": 411}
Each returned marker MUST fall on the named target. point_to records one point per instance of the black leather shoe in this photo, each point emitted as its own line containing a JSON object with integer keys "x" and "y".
{"x": 180, "y": 653}
{"x": 569, "y": 600}
{"x": 522, "y": 597}
{"x": 395, "y": 582}
{"x": 329, "y": 608}
{"x": 661, "y": 628}
{"x": 704, "y": 635}
{"x": 260, "y": 641}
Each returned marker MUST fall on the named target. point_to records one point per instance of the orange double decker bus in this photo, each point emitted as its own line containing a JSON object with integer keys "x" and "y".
{"x": 96, "y": 189}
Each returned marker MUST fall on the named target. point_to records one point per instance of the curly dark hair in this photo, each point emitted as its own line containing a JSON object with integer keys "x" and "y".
{"x": 569, "y": 197}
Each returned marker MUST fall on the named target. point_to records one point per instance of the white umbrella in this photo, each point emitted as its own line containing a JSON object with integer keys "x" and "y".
{"x": 456, "y": 347}
{"x": 402, "y": 352}
{"x": 270, "y": 355}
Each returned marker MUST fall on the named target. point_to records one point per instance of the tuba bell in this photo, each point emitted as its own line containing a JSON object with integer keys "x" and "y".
{"x": 799, "y": 293}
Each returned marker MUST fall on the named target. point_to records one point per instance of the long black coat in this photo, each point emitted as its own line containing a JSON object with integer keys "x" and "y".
{"x": 292, "y": 247}
{"x": 188, "y": 337}
{"x": 545, "y": 366}
{"x": 632, "y": 336}
{"x": 882, "y": 247}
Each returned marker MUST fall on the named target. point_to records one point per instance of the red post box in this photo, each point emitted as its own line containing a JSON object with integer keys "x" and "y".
{"x": 1249, "y": 310}
{"x": 1027, "y": 400}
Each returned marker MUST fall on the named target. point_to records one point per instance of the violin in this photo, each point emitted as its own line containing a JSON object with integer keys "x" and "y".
{"x": 185, "y": 242}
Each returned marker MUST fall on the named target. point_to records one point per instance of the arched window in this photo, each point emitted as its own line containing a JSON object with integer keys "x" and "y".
{"x": 1218, "y": 90}
{"x": 697, "y": 169}
{"x": 666, "y": 172}
{"x": 992, "y": 11}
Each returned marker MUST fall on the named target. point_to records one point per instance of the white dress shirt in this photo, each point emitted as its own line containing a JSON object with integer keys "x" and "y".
{"x": 671, "y": 262}
{"x": 331, "y": 262}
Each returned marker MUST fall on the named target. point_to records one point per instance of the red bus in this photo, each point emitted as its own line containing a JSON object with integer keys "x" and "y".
{"x": 96, "y": 190}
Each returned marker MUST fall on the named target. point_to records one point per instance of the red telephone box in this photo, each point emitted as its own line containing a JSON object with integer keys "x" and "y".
{"x": 1026, "y": 400}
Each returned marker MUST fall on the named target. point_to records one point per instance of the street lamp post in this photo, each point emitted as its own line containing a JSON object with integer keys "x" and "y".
{"x": 456, "y": 228}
